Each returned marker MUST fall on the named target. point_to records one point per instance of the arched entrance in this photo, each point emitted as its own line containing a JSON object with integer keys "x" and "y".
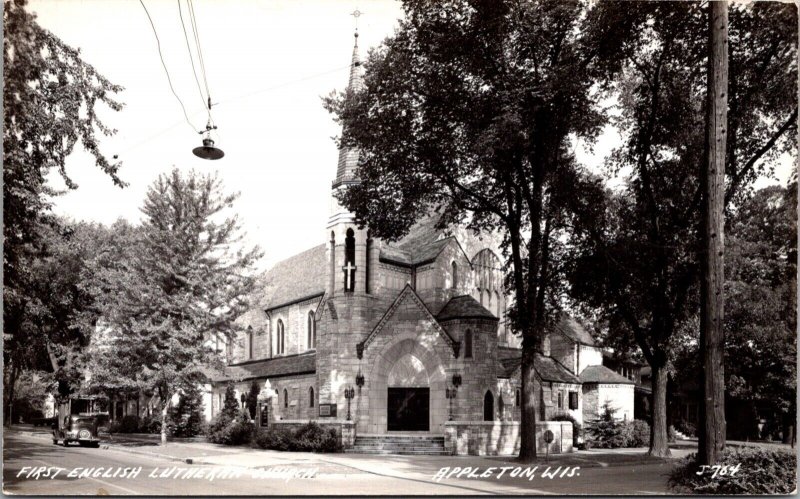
{"x": 488, "y": 406}
{"x": 406, "y": 390}
{"x": 408, "y": 396}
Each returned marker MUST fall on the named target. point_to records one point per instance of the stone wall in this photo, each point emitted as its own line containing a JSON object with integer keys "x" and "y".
{"x": 502, "y": 438}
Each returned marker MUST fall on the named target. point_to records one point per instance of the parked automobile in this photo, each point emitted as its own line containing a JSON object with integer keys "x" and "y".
{"x": 79, "y": 420}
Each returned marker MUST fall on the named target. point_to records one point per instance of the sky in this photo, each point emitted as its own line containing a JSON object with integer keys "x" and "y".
{"x": 268, "y": 64}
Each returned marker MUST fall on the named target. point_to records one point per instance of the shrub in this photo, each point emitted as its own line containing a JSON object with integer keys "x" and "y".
{"x": 187, "y": 416}
{"x": 236, "y": 432}
{"x": 252, "y": 398}
{"x": 639, "y": 434}
{"x": 129, "y": 424}
{"x": 311, "y": 437}
{"x": 150, "y": 425}
{"x": 276, "y": 437}
{"x": 671, "y": 435}
{"x": 230, "y": 408}
{"x": 606, "y": 432}
{"x": 761, "y": 471}
{"x": 576, "y": 427}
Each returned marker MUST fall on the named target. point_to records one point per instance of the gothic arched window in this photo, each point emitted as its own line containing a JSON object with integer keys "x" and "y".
{"x": 498, "y": 305}
{"x": 454, "y": 274}
{"x": 366, "y": 263}
{"x": 518, "y": 398}
{"x": 312, "y": 331}
{"x": 249, "y": 342}
{"x": 311, "y": 397}
{"x": 285, "y": 398}
{"x": 279, "y": 338}
{"x": 468, "y": 344}
{"x": 488, "y": 406}
{"x": 349, "y": 261}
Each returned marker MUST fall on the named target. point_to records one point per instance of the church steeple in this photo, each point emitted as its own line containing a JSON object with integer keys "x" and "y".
{"x": 348, "y": 249}
{"x": 348, "y": 158}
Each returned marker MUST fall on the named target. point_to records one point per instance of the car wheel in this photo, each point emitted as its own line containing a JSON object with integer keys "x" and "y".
{"x": 66, "y": 443}
{"x": 96, "y": 445}
{"x": 55, "y": 441}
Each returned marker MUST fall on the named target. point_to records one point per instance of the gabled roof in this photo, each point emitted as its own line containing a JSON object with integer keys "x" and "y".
{"x": 421, "y": 245}
{"x": 407, "y": 293}
{"x": 573, "y": 330}
{"x": 304, "y": 363}
{"x": 547, "y": 368}
{"x": 602, "y": 374}
{"x": 296, "y": 278}
{"x": 464, "y": 307}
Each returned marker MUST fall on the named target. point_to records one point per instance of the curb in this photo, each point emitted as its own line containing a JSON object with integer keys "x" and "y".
{"x": 113, "y": 446}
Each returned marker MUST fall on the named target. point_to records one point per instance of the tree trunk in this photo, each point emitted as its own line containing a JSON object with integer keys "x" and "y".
{"x": 712, "y": 428}
{"x": 164, "y": 413}
{"x": 659, "y": 443}
{"x": 12, "y": 383}
{"x": 527, "y": 444}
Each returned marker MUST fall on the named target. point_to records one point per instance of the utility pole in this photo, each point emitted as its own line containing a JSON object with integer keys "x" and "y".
{"x": 712, "y": 297}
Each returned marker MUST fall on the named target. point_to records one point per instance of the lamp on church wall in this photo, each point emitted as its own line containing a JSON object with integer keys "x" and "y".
{"x": 359, "y": 379}
{"x": 456, "y": 380}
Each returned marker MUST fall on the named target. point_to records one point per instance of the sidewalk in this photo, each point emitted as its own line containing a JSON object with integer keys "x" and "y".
{"x": 197, "y": 452}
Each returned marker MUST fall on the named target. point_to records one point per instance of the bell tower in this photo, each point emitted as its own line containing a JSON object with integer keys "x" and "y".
{"x": 347, "y": 244}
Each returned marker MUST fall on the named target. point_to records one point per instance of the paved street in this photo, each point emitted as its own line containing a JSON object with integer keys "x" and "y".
{"x": 630, "y": 473}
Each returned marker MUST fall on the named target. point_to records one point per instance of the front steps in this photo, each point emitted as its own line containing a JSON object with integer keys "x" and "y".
{"x": 421, "y": 445}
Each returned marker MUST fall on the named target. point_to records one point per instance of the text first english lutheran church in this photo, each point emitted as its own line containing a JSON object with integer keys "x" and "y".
{"x": 415, "y": 332}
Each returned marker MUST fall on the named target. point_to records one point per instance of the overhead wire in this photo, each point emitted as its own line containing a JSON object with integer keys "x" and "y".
{"x": 195, "y": 30}
{"x": 237, "y": 98}
{"x": 191, "y": 58}
{"x": 164, "y": 64}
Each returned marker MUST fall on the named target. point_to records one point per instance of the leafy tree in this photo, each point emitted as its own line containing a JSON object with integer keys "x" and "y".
{"x": 637, "y": 263}
{"x": 468, "y": 110}
{"x": 760, "y": 302}
{"x": 50, "y": 99}
{"x": 180, "y": 283}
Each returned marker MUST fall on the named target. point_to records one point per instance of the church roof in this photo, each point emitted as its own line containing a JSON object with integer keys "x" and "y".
{"x": 573, "y": 330}
{"x": 298, "y": 277}
{"x": 422, "y": 244}
{"x": 464, "y": 307}
{"x": 304, "y": 363}
{"x": 602, "y": 374}
{"x": 546, "y": 367}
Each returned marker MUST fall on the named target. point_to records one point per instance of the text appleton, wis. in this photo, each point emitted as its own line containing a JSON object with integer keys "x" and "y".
{"x": 497, "y": 472}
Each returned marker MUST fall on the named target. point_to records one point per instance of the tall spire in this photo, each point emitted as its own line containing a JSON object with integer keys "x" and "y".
{"x": 348, "y": 158}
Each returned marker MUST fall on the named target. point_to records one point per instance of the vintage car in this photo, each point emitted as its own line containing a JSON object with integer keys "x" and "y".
{"x": 79, "y": 421}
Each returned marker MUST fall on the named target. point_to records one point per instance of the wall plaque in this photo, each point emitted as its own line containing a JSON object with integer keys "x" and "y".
{"x": 327, "y": 410}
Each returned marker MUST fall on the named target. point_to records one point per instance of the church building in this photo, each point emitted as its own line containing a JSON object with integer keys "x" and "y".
{"x": 404, "y": 337}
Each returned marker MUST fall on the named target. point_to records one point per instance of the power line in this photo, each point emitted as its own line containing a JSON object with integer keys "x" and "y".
{"x": 161, "y": 56}
{"x": 195, "y": 30}
{"x": 191, "y": 59}
{"x": 234, "y": 99}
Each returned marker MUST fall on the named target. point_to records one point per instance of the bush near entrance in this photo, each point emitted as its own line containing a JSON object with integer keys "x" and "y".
{"x": 760, "y": 471}
{"x": 310, "y": 437}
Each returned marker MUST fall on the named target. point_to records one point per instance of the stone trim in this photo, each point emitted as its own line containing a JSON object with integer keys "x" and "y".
{"x": 407, "y": 291}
